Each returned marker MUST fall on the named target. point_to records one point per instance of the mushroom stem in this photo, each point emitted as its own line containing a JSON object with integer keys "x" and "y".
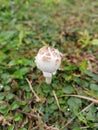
{"x": 48, "y": 80}
{"x": 48, "y": 77}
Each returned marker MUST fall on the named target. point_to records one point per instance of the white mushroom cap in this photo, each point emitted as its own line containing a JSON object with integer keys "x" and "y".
{"x": 48, "y": 60}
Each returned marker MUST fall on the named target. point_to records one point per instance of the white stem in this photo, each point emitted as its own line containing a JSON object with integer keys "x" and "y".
{"x": 48, "y": 77}
{"x": 48, "y": 80}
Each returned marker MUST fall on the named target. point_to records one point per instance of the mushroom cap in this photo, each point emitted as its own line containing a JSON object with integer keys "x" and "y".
{"x": 48, "y": 59}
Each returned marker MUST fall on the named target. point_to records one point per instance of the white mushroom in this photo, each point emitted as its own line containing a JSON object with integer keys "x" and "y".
{"x": 48, "y": 60}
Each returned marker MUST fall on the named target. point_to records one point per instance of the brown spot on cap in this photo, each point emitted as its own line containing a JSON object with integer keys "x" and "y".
{"x": 43, "y": 50}
{"x": 48, "y": 54}
{"x": 45, "y": 58}
{"x": 52, "y": 49}
{"x": 54, "y": 54}
{"x": 57, "y": 61}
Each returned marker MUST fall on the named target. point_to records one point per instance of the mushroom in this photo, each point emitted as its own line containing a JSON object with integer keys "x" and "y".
{"x": 48, "y": 60}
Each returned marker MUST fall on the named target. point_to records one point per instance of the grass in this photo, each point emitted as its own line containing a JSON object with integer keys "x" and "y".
{"x": 26, "y": 101}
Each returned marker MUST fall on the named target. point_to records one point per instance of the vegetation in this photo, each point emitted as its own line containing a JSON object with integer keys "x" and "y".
{"x": 70, "y": 102}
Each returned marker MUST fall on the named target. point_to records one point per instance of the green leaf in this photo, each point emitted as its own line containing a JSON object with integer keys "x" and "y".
{"x": 6, "y": 35}
{"x": 11, "y": 127}
{"x": 15, "y": 105}
{"x": 25, "y": 62}
{"x": 94, "y": 87}
{"x": 68, "y": 89}
{"x": 46, "y": 88}
{"x": 90, "y": 115}
{"x": 18, "y": 117}
{"x": 28, "y": 95}
{"x": 83, "y": 65}
{"x": 54, "y": 85}
{"x": 23, "y": 103}
{"x": 2, "y": 57}
{"x": 7, "y": 116}
{"x": 94, "y": 42}
{"x": 77, "y": 128}
{"x": 22, "y": 129}
{"x": 26, "y": 88}
{"x": 26, "y": 108}
{"x": 50, "y": 100}
{"x": 59, "y": 92}
{"x": 62, "y": 101}
{"x": 21, "y": 72}
{"x": 1, "y": 96}
{"x": 82, "y": 118}
{"x": 54, "y": 107}
{"x": 91, "y": 74}
{"x": 7, "y": 88}
{"x": 70, "y": 68}
{"x": 6, "y": 78}
{"x": 3, "y": 109}
{"x": 21, "y": 36}
{"x": 79, "y": 81}
{"x": 10, "y": 96}
{"x": 74, "y": 103}
{"x": 68, "y": 77}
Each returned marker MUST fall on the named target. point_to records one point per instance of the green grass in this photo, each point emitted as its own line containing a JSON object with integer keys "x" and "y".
{"x": 72, "y": 27}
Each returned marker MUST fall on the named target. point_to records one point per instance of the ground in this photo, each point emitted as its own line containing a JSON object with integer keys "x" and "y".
{"x": 70, "y": 102}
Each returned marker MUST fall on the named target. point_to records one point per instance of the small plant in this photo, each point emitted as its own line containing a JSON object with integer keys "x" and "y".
{"x": 85, "y": 39}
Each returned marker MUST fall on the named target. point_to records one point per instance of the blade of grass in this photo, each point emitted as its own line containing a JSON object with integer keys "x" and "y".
{"x": 37, "y": 98}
